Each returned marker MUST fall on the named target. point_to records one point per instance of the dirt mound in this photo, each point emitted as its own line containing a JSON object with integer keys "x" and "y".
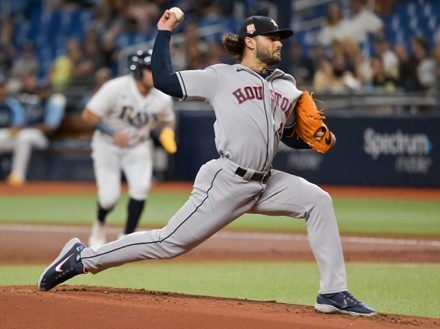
{"x": 101, "y": 307}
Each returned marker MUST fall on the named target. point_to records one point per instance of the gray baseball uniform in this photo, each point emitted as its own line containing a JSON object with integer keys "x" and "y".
{"x": 255, "y": 110}
{"x": 251, "y": 112}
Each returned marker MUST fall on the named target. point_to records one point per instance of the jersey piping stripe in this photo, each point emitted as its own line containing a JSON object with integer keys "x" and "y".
{"x": 165, "y": 238}
{"x": 277, "y": 137}
{"x": 182, "y": 82}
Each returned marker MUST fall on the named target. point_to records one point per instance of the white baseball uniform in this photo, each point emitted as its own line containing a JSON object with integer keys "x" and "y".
{"x": 123, "y": 109}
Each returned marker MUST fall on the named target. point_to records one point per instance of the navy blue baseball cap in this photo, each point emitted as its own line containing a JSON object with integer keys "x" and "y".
{"x": 261, "y": 25}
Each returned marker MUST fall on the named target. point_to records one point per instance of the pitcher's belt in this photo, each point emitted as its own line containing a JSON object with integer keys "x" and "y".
{"x": 257, "y": 176}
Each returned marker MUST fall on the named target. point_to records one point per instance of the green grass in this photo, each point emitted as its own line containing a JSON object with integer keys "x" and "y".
{"x": 355, "y": 216}
{"x": 388, "y": 216}
{"x": 81, "y": 209}
{"x": 396, "y": 288}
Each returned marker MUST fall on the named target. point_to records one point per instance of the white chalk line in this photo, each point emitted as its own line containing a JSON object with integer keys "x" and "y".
{"x": 225, "y": 235}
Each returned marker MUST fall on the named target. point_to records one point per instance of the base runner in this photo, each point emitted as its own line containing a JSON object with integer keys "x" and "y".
{"x": 125, "y": 111}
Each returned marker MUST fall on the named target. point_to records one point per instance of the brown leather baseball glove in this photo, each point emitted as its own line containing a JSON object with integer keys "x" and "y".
{"x": 310, "y": 121}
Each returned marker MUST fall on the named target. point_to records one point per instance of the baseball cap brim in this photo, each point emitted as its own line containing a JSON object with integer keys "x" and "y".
{"x": 283, "y": 33}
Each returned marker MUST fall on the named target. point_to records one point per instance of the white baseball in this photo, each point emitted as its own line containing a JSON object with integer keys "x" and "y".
{"x": 178, "y": 12}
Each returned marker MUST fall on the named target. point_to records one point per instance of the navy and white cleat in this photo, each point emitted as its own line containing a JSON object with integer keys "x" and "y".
{"x": 67, "y": 265}
{"x": 342, "y": 302}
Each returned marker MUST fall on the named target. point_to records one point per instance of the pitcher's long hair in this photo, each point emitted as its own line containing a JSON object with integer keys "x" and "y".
{"x": 234, "y": 45}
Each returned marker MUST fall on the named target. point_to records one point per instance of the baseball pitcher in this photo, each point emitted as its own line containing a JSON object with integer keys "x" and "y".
{"x": 255, "y": 108}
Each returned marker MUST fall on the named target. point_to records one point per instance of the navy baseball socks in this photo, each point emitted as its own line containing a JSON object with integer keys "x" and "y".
{"x": 342, "y": 302}
{"x": 67, "y": 265}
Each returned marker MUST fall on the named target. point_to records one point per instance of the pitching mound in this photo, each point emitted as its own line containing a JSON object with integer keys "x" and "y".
{"x": 98, "y": 307}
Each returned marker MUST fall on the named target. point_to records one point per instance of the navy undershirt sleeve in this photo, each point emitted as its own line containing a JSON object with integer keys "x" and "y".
{"x": 163, "y": 76}
{"x": 295, "y": 143}
{"x": 292, "y": 140}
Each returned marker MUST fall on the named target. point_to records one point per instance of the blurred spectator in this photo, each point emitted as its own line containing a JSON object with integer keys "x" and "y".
{"x": 333, "y": 77}
{"x": 416, "y": 72}
{"x": 195, "y": 58}
{"x": 380, "y": 80}
{"x": 194, "y": 48}
{"x": 110, "y": 52}
{"x": 130, "y": 34}
{"x": 247, "y": 7}
{"x": 7, "y": 36}
{"x": 335, "y": 27}
{"x": 11, "y": 117}
{"x": 437, "y": 62}
{"x": 215, "y": 54}
{"x": 210, "y": 14}
{"x": 62, "y": 4}
{"x": 178, "y": 59}
{"x": 5, "y": 61}
{"x": 407, "y": 77}
{"x": 77, "y": 67}
{"x": 63, "y": 65}
{"x": 349, "y": 48}
{"x": 356, "y": 61}
{"x": 43, "y": 114}
{"x": 102, "y": 75}
{"x": 424, "y": 63}
{"x": 94, "y": 57}
{"x": 325, "y": 79}
{"x": 25, "y": 64}
{"x": 317, "y": 55}
{"x": 139, "y": 18}
{"x": 436, "y": 51}
{"x": 84, "y": 61}
{"x": 303, "y": 68}
{"x": 108, "y": 22}
{"x": 108, "y": 14}
{"x": 362, "y": 21}
{"x": 390, "y": 61}
{"x": 144, "y": 13}
{"x": 384, "y": 7}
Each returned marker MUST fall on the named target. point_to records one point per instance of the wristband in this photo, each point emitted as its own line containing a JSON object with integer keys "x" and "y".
{"x": 102, "y": 127}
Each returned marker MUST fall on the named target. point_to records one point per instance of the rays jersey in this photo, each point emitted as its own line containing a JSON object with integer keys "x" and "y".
{"x": 34, "y": 107}
{"x": 11, "y": 113}
{"x": 123, "y": 109}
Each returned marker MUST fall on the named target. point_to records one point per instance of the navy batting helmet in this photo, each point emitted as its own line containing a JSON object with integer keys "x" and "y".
{"x": 139, "y": 61}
